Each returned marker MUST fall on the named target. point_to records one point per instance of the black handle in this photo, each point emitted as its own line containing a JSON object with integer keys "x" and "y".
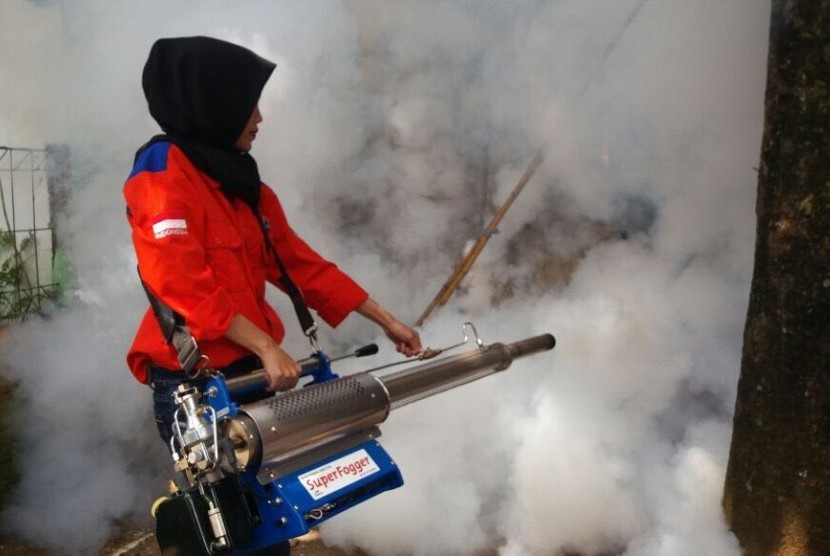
{"x": 369, "y": 349}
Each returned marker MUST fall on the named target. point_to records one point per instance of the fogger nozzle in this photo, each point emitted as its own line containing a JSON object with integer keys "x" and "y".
{"x": 283, "y": 430}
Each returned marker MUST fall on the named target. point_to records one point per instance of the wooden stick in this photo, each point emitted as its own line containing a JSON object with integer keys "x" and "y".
{"x": 463, "y": 267}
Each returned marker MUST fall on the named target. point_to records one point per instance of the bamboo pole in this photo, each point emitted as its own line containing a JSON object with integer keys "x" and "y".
{"x": 466, "y": 263}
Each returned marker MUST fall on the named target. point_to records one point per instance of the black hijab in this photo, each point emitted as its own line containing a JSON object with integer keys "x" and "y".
{"x": 202, "y": 92}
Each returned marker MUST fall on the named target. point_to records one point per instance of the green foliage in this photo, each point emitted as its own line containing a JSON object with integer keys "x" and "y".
{"x": 18, "y": 296}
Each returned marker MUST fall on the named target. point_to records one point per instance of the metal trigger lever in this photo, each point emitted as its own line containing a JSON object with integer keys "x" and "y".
{"x": 429, "y": 353}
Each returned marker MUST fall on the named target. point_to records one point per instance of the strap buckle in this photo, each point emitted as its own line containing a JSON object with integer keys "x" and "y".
{"x": 192, "y": 361}
{"x": 311, "y": 334}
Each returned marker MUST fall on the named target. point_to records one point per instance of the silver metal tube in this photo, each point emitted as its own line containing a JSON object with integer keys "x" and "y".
{"x": 287, "y": 426}
{"x": 258, "y": 381}
{"x": 428, "y": 379}
{"x": 290, "y": 423}
{"x": 529, "y": 346}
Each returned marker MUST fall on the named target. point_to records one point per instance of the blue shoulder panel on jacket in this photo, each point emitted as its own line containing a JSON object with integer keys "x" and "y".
{"x": 153, "y": 159}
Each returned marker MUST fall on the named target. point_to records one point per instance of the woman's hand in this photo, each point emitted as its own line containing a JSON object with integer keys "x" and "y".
{"x": 281, "y": 370}
{"x": 407, "y": 341}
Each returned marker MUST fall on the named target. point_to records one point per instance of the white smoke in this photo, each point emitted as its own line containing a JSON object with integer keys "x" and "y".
{"x": 389, "y": 129}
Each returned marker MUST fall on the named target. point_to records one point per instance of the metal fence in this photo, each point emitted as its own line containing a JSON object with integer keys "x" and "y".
{"x": 26, "y": 233}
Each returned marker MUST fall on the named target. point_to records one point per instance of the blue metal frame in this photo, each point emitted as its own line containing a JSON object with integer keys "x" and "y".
{"x": 219, "y": 398}
{"x": 322, "y": 372}
{"x": 288, "y": 510}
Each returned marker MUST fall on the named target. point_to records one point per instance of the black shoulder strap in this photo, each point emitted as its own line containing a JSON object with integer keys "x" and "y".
{"x": 175, "y": 332}
{"x": 307, "y": 322}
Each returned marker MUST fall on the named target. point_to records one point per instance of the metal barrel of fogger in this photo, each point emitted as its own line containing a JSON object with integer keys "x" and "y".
{"x": 288, "y": 425}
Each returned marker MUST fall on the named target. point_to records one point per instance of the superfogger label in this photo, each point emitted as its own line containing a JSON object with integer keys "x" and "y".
{"x": 338, "y": 474}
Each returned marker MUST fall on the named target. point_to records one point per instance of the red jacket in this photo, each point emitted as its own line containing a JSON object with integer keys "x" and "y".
{"x": 206, "y": 258}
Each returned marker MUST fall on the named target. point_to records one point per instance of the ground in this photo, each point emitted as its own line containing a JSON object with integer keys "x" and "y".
{"x": 143, "y": 543}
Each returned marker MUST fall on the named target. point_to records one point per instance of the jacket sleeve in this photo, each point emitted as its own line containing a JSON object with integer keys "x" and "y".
{"x": 326, "y": 289}
{"x": 166, "y": 228}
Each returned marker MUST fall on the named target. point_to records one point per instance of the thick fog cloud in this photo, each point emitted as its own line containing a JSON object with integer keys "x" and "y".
{"x": 391, "y": 130}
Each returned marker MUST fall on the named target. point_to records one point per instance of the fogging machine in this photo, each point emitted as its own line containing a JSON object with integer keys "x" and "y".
{"x": 261, "y": 472}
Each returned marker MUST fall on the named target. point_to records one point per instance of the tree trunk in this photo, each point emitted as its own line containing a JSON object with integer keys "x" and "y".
{"x": 777, "y": 492}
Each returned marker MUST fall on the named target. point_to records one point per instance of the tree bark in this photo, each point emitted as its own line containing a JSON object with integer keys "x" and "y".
{"x": 777, "y": 491}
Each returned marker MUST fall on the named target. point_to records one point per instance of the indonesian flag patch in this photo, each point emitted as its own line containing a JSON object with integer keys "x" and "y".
{"x": 169, "y": 224}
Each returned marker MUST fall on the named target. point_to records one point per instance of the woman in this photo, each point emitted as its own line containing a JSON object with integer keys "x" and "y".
{"x": 199, "y": 216}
